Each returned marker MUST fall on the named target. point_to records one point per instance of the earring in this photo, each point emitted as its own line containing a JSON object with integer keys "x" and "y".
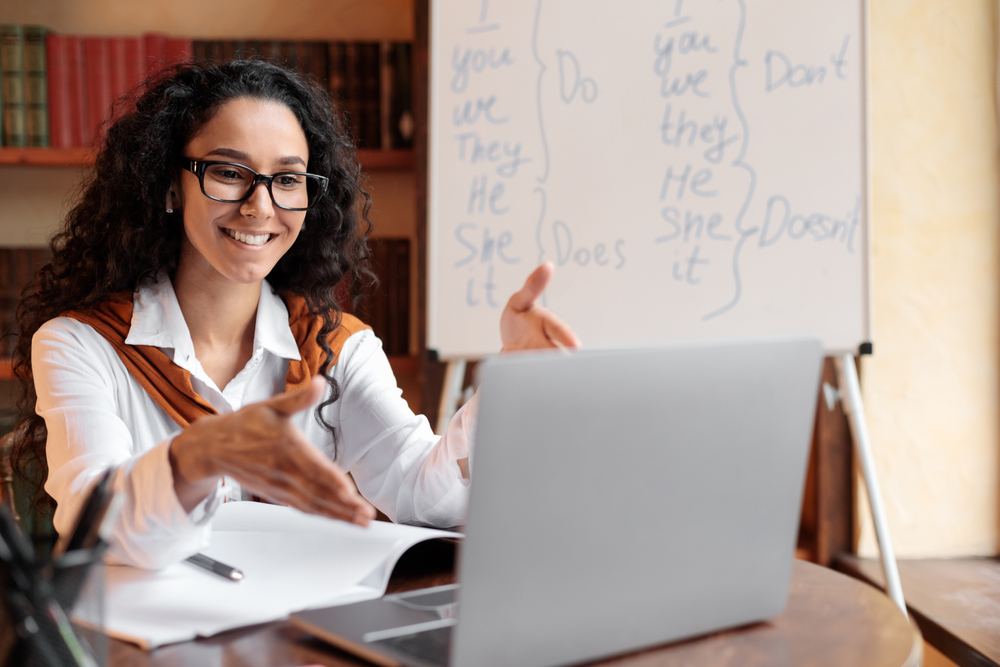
{"x": 170, "y": 207}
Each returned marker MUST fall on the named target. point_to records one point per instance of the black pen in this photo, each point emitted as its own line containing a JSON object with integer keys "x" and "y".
{"x": 215, "y": 567}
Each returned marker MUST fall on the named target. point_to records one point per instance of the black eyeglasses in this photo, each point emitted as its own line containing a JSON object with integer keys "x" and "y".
{"x": 233, "y": 183}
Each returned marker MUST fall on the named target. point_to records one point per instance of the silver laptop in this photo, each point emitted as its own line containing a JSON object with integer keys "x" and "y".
{"x": 620, "y": 500}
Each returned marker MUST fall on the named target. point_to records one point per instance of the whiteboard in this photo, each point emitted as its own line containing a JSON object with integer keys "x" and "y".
{"x": 694, "y": 169}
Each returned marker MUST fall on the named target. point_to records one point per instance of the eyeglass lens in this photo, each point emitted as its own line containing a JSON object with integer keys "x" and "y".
{"x": 232, "y": 182}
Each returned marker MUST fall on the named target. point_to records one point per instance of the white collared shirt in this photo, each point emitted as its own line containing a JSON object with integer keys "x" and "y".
{"x": 97, "y": 415}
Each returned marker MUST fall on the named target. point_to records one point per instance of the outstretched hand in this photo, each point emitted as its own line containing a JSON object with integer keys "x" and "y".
{"x": 261, "y": 448}
{"x": 526, "y": 325}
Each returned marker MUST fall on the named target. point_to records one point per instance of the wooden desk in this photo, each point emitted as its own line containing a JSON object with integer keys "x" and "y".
{"x": 831, "y": 619}
{"x": 955, "y": 601}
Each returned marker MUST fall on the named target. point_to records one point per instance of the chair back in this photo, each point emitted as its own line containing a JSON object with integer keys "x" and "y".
{"x": 17, "y": 493}
{"x": 7, "y": 475}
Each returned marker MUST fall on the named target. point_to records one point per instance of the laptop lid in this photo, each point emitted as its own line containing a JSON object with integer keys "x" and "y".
{"x": 623, "y": 499}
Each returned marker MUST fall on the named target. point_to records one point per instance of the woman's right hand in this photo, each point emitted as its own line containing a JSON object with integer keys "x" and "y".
{"x": 260, "y": 447}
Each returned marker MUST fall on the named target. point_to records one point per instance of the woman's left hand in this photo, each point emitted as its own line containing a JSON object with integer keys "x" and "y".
{"x": 526, "y": 325}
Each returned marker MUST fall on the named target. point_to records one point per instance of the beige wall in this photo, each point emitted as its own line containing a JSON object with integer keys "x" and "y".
{"x": 931, "y": 388}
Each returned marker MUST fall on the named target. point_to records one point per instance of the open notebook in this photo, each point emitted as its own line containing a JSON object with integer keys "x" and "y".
{"x": 290, "y": 560}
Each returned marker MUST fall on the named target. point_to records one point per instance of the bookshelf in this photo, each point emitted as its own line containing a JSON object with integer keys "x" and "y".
{"x": 82, "y": 157}
{"x": 38, "y": 182}
{"x": 33, "y": 203}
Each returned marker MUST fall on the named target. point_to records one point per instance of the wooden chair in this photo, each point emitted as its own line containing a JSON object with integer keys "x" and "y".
{"x": 34, "y": 518}
{"x": 7, "y": 475}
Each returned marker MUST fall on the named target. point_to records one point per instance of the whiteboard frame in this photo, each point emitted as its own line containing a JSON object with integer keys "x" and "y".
{"x": 864, "y": 346}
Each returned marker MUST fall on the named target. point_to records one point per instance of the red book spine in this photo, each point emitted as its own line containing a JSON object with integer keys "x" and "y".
{"x": 373, "y": 93}
{"x": 135, "y": 64}
{"x": 76, "y": 105}
{"x": 60, "y": 101}
{"x": 118, "y": 71}
{"x": 97, "y": 65}
{"x": 155, "y": 45}
{"x": 177, "y": 50}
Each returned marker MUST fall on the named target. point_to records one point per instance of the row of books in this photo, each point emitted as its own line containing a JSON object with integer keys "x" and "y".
{"x": 59, "y": 90}
{"x": 18, "y": 267}
{"x": 86, "y": 76}
{"x": 387, "y": 309}
{"x": 370, "y": 81}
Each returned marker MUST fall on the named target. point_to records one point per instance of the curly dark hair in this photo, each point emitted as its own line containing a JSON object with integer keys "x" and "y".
{"x": 118, "y": 233}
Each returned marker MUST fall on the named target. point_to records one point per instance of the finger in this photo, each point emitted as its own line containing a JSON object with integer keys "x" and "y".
{"x": 283, "y": 492}
{"x": 340, "y": 500}
{"x": 308, "y": 471}
{"x": 322, "y": 504}
{"x": 324, "y": 481}
{"x": 277, "y": 487}
{"x": 289, "y": 454}
{"x": 559, "y": 332}
{"x": 318, "y": 474}
{"x": 297, "y": 400}
{"x": 343, "y": 504}
{"x": 533, "y": 287}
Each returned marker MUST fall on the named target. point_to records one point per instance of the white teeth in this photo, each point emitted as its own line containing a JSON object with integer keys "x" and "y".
{"x": 249, "y": 239}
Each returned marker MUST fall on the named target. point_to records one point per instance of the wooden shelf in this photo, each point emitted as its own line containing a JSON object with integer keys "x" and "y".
{"x": 82, "y": 157}
{"x": 47, "y": 157}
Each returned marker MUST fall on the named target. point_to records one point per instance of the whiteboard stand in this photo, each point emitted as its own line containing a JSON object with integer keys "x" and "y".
{"x": 451, "y": 393}
{"x": 853, "y": 408}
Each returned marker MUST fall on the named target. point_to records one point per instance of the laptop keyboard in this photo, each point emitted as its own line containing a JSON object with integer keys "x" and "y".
{"x": 429, "y": 647}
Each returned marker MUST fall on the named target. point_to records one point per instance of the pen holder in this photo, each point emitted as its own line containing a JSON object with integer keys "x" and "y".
{"x": 78, "y": 579}
{"x": 35, "y": 604}
{"x": 8, "y": 633}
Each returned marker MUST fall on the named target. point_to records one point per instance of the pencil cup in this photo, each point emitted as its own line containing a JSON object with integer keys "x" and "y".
{"x": 35, "y": 627}
{"x": 78, "y": 579}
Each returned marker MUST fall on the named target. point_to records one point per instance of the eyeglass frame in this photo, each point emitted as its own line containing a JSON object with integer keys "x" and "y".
{"x": 198, "y": 167}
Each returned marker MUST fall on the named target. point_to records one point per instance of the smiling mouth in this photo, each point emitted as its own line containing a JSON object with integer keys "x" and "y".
{"x": 256, "y": 240}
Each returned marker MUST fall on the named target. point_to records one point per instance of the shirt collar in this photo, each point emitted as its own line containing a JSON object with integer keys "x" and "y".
{"x": 157, "y": 320}
{"x": 272, "y": 331}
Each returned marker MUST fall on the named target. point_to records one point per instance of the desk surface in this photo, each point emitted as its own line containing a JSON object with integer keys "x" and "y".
{"x": 955, "y": 601}
{"x": 831, "y": 619}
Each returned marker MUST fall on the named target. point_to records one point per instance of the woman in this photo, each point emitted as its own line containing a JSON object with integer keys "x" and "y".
{"x": 186, "y": 331}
